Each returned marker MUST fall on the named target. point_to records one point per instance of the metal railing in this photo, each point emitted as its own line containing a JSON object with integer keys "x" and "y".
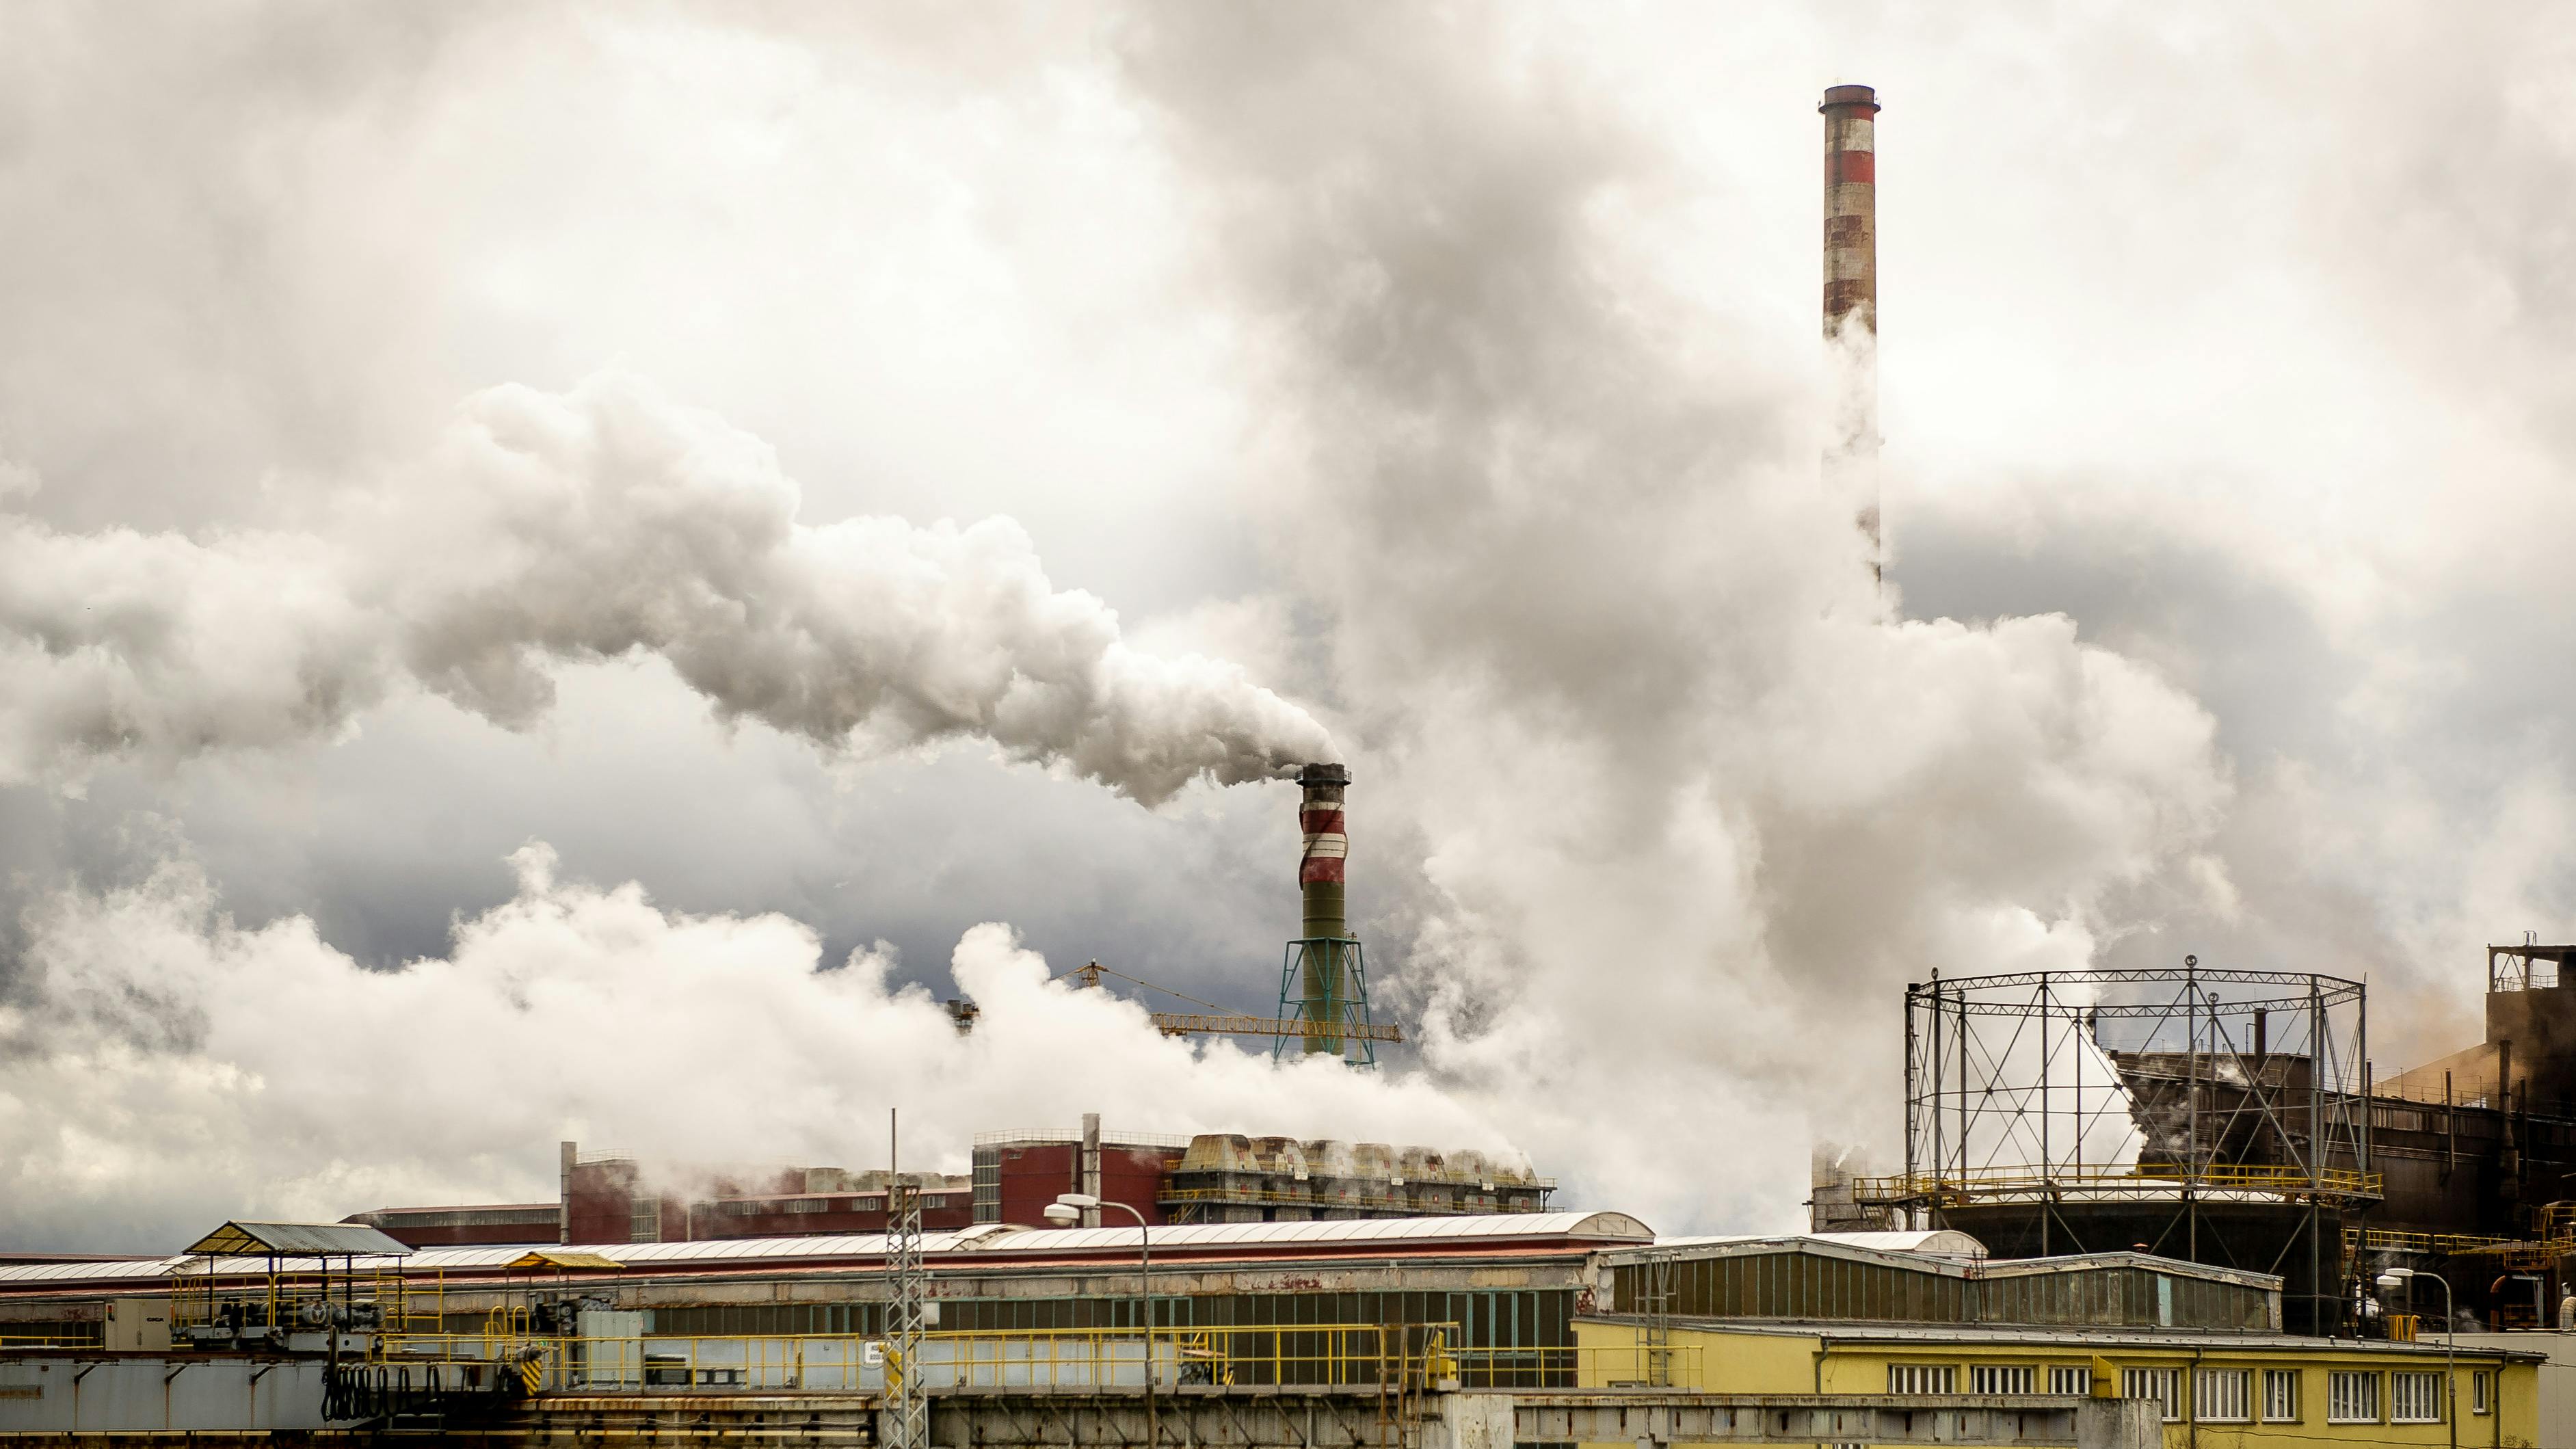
{"x": 1370, "y": 1357}
{"x": 2382, "y": 1240}
{"x": 294, "y": 1300}
{"x": 1950, "y": 1186}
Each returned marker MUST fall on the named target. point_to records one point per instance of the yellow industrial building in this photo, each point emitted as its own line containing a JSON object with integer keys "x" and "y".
{"x": 1811, "y": 1315}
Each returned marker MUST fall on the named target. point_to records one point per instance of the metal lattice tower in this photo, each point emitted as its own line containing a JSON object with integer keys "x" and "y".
{"x": 907, "y": 1315}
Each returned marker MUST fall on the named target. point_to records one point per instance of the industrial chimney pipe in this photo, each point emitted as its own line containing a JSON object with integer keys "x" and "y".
{"x": 1323, "y": 943}
{"x": 1851, "y": 299}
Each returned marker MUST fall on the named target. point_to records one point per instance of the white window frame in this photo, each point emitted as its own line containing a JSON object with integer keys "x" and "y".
{"x": 2287, "y": 1382}
{"x": 1922, "y": 1378}
{"x": 2352, "y": 1396}
{"x": 2003, "y": 1378}
{"x": 2481, "y": 1393}
{"x": 2163, "y": 1385}
{"x": 2070, "y": 1378}
{"x": 2214, "y": 1391}
{"x": 2414, "y": 1397}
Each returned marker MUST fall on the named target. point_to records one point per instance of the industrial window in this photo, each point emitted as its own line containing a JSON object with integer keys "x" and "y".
{"x": 1999, "y": 1378}
{"x": 2157, "y": 1384}
{"x": 1922, "y": 1378}
{"x": 2280, "y": 1396}
{"x": 644, "y": 1221}
{"x": 2414, "y": 1398}
{"x": 2478, "y": 1401}
{"x": 2070, "y": 1379}
{"x": 2219, "y": 1396}
{"x": 2352, "y": 1397}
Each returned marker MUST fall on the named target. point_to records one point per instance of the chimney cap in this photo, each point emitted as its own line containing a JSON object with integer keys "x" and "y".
{"x": 1850, "y": 96}
{"x": 1324, "y": 775}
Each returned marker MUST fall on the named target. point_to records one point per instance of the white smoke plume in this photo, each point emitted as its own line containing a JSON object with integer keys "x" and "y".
{"x": 589, "y": 525}
{"x": 157, "y": 1055}
{"x": 1456, "y": 366}
{"x": 1692, "y": 808}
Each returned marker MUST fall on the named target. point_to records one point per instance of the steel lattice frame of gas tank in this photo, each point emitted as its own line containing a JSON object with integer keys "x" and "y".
{"x": 2203, "y": 1113}
{"x": 1323, "y": 982}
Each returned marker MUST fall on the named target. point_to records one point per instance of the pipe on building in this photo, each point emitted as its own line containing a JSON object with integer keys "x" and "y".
{"x": 1851, "y": 298}
{"x": 1320, "y": 885}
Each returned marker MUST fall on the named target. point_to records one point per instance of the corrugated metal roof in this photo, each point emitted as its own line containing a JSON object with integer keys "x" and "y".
{"x": 981, "y": 1239}
{"x": 1930, "y": 1258}
{"x": 563, "y": 1258}
{"x": 86, "y": 1272}
{"x": 305, "y": 1240}
{"x": 1933, "y": 1242}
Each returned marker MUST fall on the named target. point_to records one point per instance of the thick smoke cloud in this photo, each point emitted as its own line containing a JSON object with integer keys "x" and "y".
{"x": 260, "y": 1069}
{"x": 592, "y": 525}
{"x": 1455, "y": 369}
{"x": 1692, "y": 808}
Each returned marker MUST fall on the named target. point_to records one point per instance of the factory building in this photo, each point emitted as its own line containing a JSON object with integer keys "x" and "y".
{"x": 1529, "y": 1300}
{"x": 1216, "y": 1177}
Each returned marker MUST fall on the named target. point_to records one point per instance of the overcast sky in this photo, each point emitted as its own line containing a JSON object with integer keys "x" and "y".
{"x": 565, "y": 570}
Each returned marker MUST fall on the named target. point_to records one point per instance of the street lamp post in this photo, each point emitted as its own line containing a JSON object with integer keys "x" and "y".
{"x": 1067, "y": 1209}
{"x": 2405, "y": 1278}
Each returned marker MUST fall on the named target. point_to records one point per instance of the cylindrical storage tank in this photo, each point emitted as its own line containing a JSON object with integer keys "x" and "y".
{"x": 1322, "y": 942}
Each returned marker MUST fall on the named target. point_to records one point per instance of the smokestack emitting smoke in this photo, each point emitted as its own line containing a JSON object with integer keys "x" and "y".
{"x": 1851, "y": 297}
{"x": 1320, "y": 881}
{"x": 592, "y": 525}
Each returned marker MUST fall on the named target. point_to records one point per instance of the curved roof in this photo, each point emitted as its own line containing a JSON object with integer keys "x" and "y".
{"x": 1609, "y": 1229}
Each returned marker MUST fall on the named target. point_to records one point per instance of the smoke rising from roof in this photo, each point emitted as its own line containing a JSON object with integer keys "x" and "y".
{"x": 590, "y": 525}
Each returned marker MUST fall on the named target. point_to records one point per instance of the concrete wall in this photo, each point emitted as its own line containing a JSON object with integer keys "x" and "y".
{"x": 158, "y": 1392}
{"x": 2556, "y": 1417}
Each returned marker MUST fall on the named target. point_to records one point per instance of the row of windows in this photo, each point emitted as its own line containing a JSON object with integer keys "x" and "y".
{"x": 1516, "y": 1337}
{"x": 2220, "y": 1395}
{"x": 1793, "y": 1284}
{"x": 471, "y": 1218}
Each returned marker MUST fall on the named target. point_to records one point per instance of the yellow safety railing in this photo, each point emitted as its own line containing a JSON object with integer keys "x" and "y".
{"x": 296, "y": 1299}
{"x": 1395, "y": 1358}
{"x": 2382, "y": 1240}
{"x": 86, "y": 1336}
{"x": 1954, "y": 1185}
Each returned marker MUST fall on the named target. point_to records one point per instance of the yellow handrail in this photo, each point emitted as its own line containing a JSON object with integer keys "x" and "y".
{"x": 1393, "y": 1357}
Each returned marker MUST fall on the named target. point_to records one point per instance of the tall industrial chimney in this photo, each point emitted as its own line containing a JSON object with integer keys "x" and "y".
{"x": 1323, "y": 944}
{"x": 1851, "y": 300}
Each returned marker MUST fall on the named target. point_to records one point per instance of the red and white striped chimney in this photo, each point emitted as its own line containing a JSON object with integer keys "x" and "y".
{"x": 1851, "y": 298}
{"x": 1319, "y": 884}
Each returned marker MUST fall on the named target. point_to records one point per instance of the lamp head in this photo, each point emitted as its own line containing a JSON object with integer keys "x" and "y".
{"x": 2395, "y": 1277}
{"x": 1076, "y": 1200}
{"x": 1057, "y": 1212}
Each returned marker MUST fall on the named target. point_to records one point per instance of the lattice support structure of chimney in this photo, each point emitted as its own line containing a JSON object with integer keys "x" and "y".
{"x": 1323, "y": 981}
